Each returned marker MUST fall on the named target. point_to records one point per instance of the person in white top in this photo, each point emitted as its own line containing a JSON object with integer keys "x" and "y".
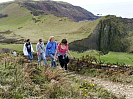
{"x": 28, "y": 49}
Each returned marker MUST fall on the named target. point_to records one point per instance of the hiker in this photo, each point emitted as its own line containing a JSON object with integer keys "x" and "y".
{"x": 51, "y": 49}
{"x": 62, "y": 50}
{"x": 41, "y": 52}
{"x": 28, "y": 49}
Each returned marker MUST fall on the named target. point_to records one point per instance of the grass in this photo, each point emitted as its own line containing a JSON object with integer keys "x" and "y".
{"x": 18, "y": 47}
{"x": 46, "y": 25}
{"x": 28, "y": 80}
{"x": 17, "y": 16}
{"x": 114, "y": 57}
{"x": 116, "y": 72}
{"x": 22, "y": 80}
{"x": 51, "y": 25}
{"x": 111, "y": 57}
{"x": 90, "y": 90}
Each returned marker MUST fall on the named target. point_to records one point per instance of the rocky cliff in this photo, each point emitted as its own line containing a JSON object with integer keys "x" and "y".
{"x": 109, "y": 35}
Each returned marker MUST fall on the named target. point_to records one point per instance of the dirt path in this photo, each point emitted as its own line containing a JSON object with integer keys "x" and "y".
{"x": 117, "y": 88}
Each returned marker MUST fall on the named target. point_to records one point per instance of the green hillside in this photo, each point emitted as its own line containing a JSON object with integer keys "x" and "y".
{"x": 23, "y": 25}
{"x": 102, "y": 34}
{"x": 17, "y": 16}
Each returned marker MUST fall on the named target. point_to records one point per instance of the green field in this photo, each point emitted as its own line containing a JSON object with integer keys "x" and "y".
{"x": 111, "y": 57}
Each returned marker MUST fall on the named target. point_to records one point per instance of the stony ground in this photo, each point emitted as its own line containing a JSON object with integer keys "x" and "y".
{"x": 117, "y": 88}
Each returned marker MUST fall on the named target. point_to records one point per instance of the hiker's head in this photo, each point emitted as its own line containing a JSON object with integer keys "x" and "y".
{"x": 40, "y": 40}
{"x": 51, "y": 39}
{"x": 64, "y": 41}
{"x": 28, "y": 40}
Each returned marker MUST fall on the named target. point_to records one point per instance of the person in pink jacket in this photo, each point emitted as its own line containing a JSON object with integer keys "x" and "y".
{"x": 61, "y": 52}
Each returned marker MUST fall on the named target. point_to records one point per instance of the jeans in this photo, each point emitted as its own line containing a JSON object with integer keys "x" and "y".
{"x": 30, "y": 56}
{"x": 53, "y": 63}
{"x": 42, "y": 55}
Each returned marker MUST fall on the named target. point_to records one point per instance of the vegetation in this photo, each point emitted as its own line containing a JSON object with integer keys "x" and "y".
{"x": 23, "y": 79}
{"x": 111, "y": 57}
{"x": 89, "y": 90}
{"x": 22, "y": 24}
{"x": 90, "y": 65}
{"x": 110, "y": 34}
{"x": 112, "y": 30}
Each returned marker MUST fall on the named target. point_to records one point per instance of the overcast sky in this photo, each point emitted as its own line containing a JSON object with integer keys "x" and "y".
{"x": 123, "y": 8}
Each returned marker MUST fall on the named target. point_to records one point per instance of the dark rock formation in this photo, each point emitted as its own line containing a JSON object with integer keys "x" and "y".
{"x": 109, "y": 35}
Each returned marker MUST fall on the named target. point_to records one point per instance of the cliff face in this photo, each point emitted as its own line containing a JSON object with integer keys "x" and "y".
{"x": 109, "y": 35}
{"x": 112, "y": 35}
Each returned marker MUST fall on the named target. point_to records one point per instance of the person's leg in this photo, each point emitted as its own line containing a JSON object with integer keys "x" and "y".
{"x": 30, "y": 56}
{"x": 61, "y": 61}
{"x": 39, "y": 58}
{"x": 53, "y": 63}
{"x": 65, "y": 63}
{"x": 44, "y": 58}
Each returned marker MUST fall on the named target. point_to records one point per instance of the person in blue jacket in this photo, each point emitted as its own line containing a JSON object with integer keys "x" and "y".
{"x": 51, "y": 49}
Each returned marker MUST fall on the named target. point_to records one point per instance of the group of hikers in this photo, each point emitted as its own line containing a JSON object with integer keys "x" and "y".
{"x": 51, "y": 50}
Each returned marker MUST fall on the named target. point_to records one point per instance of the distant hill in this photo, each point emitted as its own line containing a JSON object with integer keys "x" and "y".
{"x": 59, "y": 9}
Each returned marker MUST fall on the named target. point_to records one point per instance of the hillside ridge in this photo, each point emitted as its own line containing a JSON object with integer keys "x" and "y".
{"x": 59, "y": 9}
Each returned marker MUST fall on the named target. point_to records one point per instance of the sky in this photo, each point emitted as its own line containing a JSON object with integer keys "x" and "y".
{"x": 120, "y": 8}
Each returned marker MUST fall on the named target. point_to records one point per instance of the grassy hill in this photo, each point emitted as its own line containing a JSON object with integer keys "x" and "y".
{"x": 22, "y": 25}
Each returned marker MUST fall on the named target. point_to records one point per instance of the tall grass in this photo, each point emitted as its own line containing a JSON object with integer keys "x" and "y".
{"x": 26, "y": 80}
{"x": 21, "y": 79}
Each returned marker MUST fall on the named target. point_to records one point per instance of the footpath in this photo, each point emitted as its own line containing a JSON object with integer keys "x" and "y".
{"x": 117, "y": 88}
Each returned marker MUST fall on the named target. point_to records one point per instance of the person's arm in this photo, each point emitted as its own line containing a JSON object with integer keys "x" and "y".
{"x": 32, "y": 50}
{"x": 46, "y": 49}
{"x": 55, "y": 56}
{"x": 24, "y": 48}
{"x": 37, "y": 49}
{"x": 69, "y": 53}
{"x": 55, "y": 45}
